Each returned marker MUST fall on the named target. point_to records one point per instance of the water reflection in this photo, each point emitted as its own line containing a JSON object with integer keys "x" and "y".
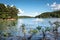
{"x": 14, "y": 26}
{"x": 8, "y": 26}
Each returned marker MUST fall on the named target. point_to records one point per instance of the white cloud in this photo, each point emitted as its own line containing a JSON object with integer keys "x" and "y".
{"x": 20, "y": 11}
{"x": 5, "y": 5}
{"x": 54, "y": 6}
{"x": 38, "y": 20}
{"x": 33, "y": 14}
{"x": 11, "y": 5}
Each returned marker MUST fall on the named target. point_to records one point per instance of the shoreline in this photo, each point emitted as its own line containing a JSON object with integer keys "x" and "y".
{"x": 8, "y": 19}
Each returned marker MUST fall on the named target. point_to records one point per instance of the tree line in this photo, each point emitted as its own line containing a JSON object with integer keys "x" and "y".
{"x": 7, "y": 11}
{"x": 54, "y": 14}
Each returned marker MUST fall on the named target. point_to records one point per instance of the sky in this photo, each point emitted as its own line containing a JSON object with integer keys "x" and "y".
{"x": 33, "y": 7}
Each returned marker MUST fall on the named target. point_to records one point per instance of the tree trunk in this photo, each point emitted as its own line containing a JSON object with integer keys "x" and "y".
{"x": 24, "y": 38}
{"x": 56, "y": 34}
{"x": 44, "y": 36}
{"x": 29, "y": 38}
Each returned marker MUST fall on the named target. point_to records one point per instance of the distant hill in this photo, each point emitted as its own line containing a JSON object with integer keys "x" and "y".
{"x": 54, "y": 14}
{"x": 25, "y": 17}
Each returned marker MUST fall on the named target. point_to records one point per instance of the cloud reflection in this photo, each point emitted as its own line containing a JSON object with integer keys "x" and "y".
{"x": 38, "y": 20}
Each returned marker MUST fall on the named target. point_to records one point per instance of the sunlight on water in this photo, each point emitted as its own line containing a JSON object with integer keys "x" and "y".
{"x": 38, "y": 20}
{"x": 14, "y": 27}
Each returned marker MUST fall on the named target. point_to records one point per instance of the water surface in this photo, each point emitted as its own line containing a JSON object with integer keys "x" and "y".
{"x": 14, "y": 26}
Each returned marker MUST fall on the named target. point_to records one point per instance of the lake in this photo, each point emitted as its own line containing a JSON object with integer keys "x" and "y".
{"x": 14, "y": 26}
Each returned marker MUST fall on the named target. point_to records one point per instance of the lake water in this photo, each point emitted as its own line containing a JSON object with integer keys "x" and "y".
{"x": 14, "y": 26}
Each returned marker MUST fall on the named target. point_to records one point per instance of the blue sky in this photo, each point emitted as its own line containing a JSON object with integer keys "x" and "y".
{"x": 33, "y": 7}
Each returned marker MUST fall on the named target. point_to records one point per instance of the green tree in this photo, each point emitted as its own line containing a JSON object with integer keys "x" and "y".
{"x": 8, "y": 11}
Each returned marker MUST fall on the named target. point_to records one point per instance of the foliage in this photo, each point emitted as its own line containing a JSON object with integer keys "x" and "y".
{"x": 54, "y": 14}
{"x": 33, "y": 31}
{"x": 39, "y": 28}
{"x": 55, "y": 28}
{"x": 57, "y": 25}
{"x": 8, "y": 11}
{"x": 47, "y": 29}
{"x": 6, "y": 34}
{"x": 23, "y": 26}
{"x": 25, "y": 17}
{"x": 23, "y": 29}
{"x": 7, "y": 24}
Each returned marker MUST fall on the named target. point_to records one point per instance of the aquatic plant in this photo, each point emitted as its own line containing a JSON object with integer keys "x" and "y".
{"x": 44, "y": 30}
{"x": 57, "y": 25}
{"x": 55, "y": 28}
{"x": 32, "y": 32}
{"x": 24, "y": 31}
{"x": 38, "y": 28}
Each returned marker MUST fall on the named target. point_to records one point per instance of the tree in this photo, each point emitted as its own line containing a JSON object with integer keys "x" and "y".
{"x": 53, "y": 14}
{"x": 8, "y": 11}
